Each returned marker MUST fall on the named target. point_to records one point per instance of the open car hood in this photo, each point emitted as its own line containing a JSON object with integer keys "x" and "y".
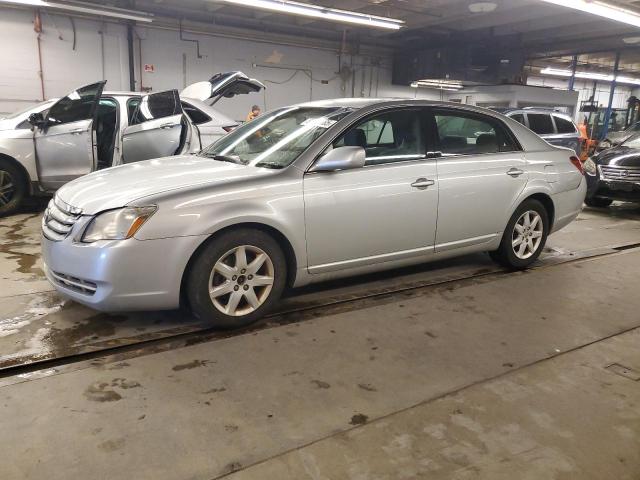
{"x": 221, "y": 85}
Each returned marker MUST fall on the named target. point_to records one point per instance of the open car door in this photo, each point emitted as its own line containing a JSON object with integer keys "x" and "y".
{"x": 65, "y": 143}
{"x": 158, "y": 128}
{"x": 221, "y": 85}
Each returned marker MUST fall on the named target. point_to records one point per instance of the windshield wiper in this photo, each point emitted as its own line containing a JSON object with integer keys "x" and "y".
{"x": 223, "y": 158}
{"x": 272, "y": 165}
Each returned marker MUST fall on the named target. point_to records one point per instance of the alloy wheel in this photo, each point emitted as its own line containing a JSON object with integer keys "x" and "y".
{"x": 241, "y": 280}
{"x": 527, "y": 234}
{"x": 7, "y": 187}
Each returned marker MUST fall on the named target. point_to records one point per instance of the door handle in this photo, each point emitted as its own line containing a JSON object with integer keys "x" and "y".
{"x": 167, "y": 126}
{"x": 515, "y": 172}
{"x": 422, "y": 183}
{"x": 77, "y": 131}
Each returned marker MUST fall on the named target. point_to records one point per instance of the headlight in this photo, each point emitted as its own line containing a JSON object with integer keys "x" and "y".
{"x": 117, "y": 224}
{"x": 590, "y": 167}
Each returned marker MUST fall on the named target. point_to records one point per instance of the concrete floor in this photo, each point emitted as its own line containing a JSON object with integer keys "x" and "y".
{"x": 467, "y": 373}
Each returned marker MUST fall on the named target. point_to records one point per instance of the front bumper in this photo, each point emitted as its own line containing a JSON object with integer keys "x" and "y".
{"x": 120, "y": 275}
{"x": 612, "y": 189}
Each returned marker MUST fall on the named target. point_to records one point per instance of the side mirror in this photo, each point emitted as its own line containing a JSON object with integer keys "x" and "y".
{"x": 341, "y": 158}
{"x": 37, "y": 120}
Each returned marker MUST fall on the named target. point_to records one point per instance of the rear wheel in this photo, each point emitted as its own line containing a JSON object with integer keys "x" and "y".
{"x": 598, "y": 202}
{"x": 237, "y": 278}
{"x": 525, "y": 236}
{"x": 13, "y": 188}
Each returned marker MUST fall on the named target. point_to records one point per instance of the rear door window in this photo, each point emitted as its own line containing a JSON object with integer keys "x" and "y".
{"x": 563, "y": 125}
{"x": 463, "y": 133}
{"x": 157, "y": 105}
{"x": 540, "y": 123}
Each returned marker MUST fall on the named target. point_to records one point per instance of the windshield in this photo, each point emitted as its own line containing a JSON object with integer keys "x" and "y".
{"x": 632, "y": 142}
{"x": 275, "y": 139}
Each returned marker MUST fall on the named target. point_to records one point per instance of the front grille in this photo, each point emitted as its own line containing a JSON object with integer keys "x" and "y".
{"x": 59, "y": 219}
{"x": 74, "y": 283}
{"x": 621, "y": 174}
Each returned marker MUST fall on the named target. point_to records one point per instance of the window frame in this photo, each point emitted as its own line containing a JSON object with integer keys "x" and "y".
{"x": 433, "y": 143}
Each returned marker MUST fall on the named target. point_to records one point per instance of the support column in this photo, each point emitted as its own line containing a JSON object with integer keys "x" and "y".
{"x": 132, "y": 73}
{"x": 572, "y": 79}
{"x": 607, "y": 116}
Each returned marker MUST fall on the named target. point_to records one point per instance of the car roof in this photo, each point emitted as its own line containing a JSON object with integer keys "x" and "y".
{"x": 360, "y": 103}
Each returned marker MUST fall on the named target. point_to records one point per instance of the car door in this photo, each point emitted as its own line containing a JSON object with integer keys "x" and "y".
{"x": 65, "y": 143}
{"x": 481, "y": 172}
{"x": 158, "y": 128}
{"x": 381, "y": 212}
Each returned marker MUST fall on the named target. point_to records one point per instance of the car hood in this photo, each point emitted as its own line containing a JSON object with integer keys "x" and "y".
{"x": 620, "y": 156}
{"x": 119, "y": 186}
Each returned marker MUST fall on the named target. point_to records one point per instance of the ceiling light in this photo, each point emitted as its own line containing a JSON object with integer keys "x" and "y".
{"x": 591, "y": 76}
{"x": 323, "y": 13}
{"x": 482, "y": 7}
{"x": 440, "y": 84}
{"x": 88, "y": 8}
{"x": 601, "y": 9}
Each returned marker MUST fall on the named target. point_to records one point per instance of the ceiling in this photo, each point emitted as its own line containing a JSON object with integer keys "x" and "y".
{"x": 543, "y": 30}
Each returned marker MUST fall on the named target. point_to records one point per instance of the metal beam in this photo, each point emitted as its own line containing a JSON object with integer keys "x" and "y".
{"x": 607, "y": 116}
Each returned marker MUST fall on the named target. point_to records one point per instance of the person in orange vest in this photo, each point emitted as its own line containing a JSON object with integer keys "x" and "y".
{"x": 255, "y": 112}
{"x": 584, "y": 136}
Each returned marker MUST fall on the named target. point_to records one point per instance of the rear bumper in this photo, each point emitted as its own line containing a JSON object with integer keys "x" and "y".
{"x": 119, "y": 275}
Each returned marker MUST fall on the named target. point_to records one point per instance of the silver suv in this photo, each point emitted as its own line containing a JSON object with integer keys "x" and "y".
{"x": 89, "y": 129}
{"x": 555, "y": 127}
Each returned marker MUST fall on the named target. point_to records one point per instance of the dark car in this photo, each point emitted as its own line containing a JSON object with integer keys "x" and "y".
{"x": 555, "y": 127}
{"x": 614, "y": 174}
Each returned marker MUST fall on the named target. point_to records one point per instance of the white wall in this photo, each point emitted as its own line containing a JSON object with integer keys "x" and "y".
{"x": 291, "y": 74}
{"x": 585, "y": 90}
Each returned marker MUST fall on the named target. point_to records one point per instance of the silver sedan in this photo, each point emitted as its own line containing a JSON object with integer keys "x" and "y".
{"x": 303, "y": 194}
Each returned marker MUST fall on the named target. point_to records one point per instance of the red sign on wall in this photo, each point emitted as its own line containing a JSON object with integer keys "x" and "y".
{"x": 149, "y": 67}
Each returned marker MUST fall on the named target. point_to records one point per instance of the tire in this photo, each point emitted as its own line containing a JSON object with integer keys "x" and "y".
{"x": 216, "y": 266}
{"x": 513, "y": 256}
{"x": 13, "y": 188}
{"x": 598, "y": 202}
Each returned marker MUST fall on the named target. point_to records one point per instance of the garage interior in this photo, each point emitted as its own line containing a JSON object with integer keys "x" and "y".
{"x": 457, "y": 369}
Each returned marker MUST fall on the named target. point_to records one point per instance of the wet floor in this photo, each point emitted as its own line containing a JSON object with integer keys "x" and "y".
{"x": 36, "y": 324}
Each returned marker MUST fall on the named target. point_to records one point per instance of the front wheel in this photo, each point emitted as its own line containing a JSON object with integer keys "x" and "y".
{"x": 13, "y": 189}
{"x": 525, "y": 236}
{"x": 236, "y": 278}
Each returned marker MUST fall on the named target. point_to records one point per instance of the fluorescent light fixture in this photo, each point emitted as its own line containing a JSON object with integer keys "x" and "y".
{"x": 590, "y": 76}
{"x": 323, "y": 13}
{"x": 601, "y": 9}
{"x": 88, "y": 8}
{"x": 451, "y": 85}
{"x": 482, "y": 7}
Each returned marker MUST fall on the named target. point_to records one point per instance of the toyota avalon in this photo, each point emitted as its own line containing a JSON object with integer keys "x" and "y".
{"x": 303, "y": 194}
